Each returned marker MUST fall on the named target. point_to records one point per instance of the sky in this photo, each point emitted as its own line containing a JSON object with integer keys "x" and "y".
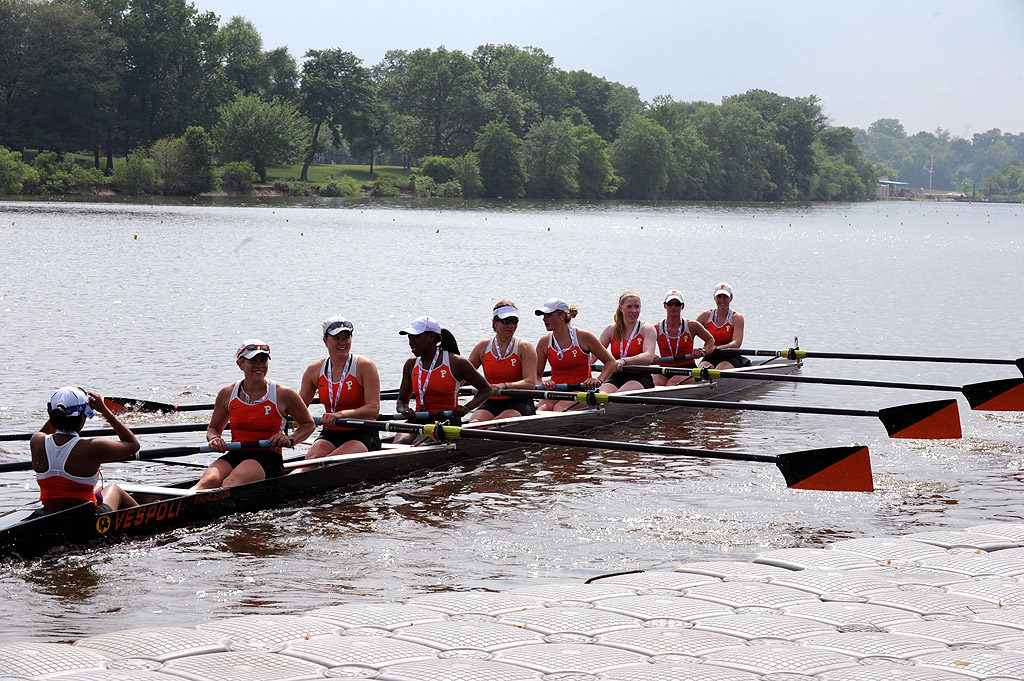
{"x": 948, "y": 64}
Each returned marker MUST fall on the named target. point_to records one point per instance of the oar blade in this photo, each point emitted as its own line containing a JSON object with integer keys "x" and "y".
{"x": 1006, "y": 394}
{"x": 935, "y": 420}
{"x": 120, "y": 405}
{"x": 832, "y": 469}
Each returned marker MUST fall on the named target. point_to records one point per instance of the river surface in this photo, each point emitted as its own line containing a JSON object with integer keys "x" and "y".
{"x": 151, "y": 301}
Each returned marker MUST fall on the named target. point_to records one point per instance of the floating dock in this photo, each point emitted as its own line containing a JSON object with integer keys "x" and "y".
{"x": 929, "y": 606}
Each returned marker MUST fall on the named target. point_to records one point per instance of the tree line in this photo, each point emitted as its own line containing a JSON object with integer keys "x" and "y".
{"x": 989, "y": 161}
{"x": 178, "y": 93}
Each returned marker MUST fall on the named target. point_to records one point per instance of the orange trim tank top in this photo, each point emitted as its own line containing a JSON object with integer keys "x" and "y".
{"x": 674, "y": 346}
{"x": 568, "y": 365}
{"x": 633, "y": 346}
{"x": 345, "y": 393}
{"x": 252, "y": 421}
{"x": 435, "y": 388}
{"x": 721, "y": 333}
{"x": 502, "y": 367}
{"x": 56, "y": 483}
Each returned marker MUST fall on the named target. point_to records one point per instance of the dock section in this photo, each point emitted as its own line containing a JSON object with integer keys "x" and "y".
{"x": 935, "y": 606}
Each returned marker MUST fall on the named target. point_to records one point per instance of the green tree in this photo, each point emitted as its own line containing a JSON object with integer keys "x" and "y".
{"x": 641, "y": 157}
{"x": 15, "y": 174}
{"x": 438, "y": 168}
{"x": 594, "y": 168}
{"x": 203, "y": 177}
{"x": 500, "y": 156}
{"x": 174, "y": 75}
{"x": 443, "y": 88}
{"x": 67, "y": 78}
{"x": 173, "y": 162}
{"x": 551, "y": 153}
{"x": 741, "y": 150}
{"x": 335, "y": 89}
{"x": 262, "y": 133}
{"x": 467, "y": 174}
{"x": 13, "y": 27}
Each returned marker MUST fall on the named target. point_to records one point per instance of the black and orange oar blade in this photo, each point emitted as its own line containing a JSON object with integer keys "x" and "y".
{"x": 1006, "y": 394}
{"x": 121, "y": 405}
{"x": 833, "y": 469}
{"x": 937, "y": 420}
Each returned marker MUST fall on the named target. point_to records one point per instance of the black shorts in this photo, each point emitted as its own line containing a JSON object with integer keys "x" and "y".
{"x": 369, "y": 438}
{"x": 716, "y": 357}
{"x": 620, "y": 378}
{"x": 496, "y": 405}
{"x": 268, "y": 459}
{"x": 102, "y": 508}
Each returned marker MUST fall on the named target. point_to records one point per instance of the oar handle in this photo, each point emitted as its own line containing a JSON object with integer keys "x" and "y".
{"x": 165, "y": 452}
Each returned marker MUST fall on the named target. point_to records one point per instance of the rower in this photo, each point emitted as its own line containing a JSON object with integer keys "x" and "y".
{"x": 568, "y": 350}
{"x": 727, "y": 328}
{"x": 348, "y": 386}
{"x": 632, "y": 342}
{"x": 675, "y": 339}
{"x": 435, "y": 373}
{"x": 256, "y": 409}
{"x": 67, "y": 465}
{"x": 508, "y": 362}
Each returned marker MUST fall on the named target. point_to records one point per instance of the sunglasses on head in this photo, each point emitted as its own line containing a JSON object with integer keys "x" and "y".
{"x": 674, "y": 303}
{"x": 507, "y": 320}
{"x": 262, "y": 347}
{"x": 347, "y": 326}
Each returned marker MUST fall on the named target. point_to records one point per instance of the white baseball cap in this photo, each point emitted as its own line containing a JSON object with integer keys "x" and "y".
{"x": 505, "y": 311}
{"x": 74, "y": 400}
{"x": 252, "y": 347}
{"x": 674, "y": 295}
{"x": 336, "y": 324}
{"x": 723, "y": 288}
{"x": 422, "y": 325}
{"x": 552, "y": 304}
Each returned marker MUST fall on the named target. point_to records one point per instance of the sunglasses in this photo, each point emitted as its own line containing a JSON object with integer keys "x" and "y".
{"x": 339, "y": 325}
{"x": 508, "y": 320}
{"x": 674, "y": 303}
{"x": 259, "y": 347}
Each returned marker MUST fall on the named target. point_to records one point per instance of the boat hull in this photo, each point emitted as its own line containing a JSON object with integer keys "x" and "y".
{"x": 29, "y": 532}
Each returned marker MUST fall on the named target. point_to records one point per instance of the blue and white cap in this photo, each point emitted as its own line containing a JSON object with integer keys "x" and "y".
{"x": 73, "y": 400}
{"x": 422, "y": 325}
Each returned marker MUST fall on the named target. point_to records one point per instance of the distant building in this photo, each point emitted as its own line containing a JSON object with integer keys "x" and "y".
{"x": 891, "y": 188}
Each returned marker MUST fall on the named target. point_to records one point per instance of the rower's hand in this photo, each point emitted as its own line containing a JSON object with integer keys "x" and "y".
{"x": 460, "y": 410}
{"x": 218, "y": 444}
{"x": 549, "y": 384}
{"x": 281, "y": 440}
{"x": 407, "y": 412}
{"x": 97, "y": 403}
{"x": 591, "y": 383}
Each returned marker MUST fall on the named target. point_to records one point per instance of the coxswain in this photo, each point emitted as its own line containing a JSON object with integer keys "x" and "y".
{"x": 675, "y": 339}
{"x": 67, "y": 465}
{"x": 349, "y": 388}
{"x": 632, "y": 342}
{"x": 726, "y": 327}
{"x": 568, "y": 350}
{"x": 507, "y": 361}
{"x": 435, "y": 374}
{"x": 255, "y": 409}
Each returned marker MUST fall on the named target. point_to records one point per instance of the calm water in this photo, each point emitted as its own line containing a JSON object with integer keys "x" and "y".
{"x": 150, "y": 301}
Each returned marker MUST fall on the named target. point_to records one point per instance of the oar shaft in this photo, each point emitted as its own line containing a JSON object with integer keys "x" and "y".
{"x": 455, "y": 432}
{"x": 582, "y": 397}
{"x": 788, "y": 378}
{"x": 796, "y": 353}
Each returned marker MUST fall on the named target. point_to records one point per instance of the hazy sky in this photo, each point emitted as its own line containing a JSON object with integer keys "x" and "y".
{"x": 939, "y": 63}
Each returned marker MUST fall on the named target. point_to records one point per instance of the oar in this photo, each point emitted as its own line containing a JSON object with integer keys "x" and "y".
{"x": 199, "y": 427}
{"x": 835, "y": 469}
{"x": 154, "y": 453}
{"x": 927, "y": 420}
{"x": 120, "y": 405}
{"x": 1006, "y": 394}
{"x": 796, "y": 353}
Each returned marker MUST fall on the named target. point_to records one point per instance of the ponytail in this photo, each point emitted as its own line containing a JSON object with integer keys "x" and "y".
{"x": 448, "y": 342}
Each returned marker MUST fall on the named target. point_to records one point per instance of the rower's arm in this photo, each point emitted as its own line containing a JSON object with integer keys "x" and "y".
{"x": 700, "y": 332}
{"x": 464, "y": 371}
{"x": 308, "y": 385}
{"x": 590, "y": 343}
{"x": 295, "y": 409}
{"x": 542, "y": 360}
{"x": 108, "y": 450}
{"x": 405, "y": 390}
